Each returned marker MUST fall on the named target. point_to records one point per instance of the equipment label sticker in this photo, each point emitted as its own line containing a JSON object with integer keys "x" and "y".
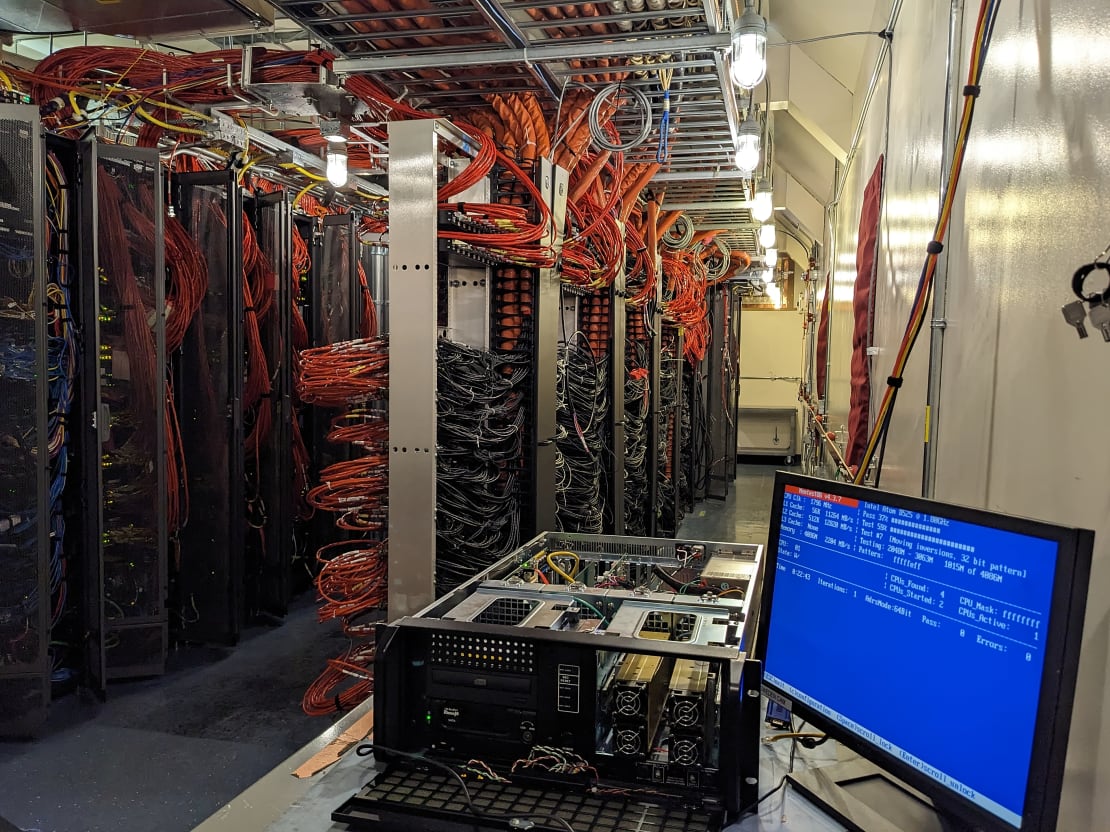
{"x": 569, "y": 688}
{"x": 778, "y": 698}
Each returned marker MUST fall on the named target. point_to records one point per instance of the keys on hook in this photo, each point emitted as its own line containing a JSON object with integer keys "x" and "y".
{"x": 1099, "y": 315}
{"x": 1075, "y": 313}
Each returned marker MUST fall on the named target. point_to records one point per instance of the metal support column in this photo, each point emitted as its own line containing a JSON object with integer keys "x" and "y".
{"x": 548, "y": 312}
{"x": 376, "y": 259}
{"x": 412, "y": 282}
{"x": 940, "y": 281}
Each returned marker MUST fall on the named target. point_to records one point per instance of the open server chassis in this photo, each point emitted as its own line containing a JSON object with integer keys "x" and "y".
{"x": 599, "y": 678}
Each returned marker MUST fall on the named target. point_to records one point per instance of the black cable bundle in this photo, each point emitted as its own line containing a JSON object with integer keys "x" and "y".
{"x": 697, "y": 448}
{"x": 583, "y": 396}
{"x": 479, "y": 428}
{"x": 669, "y": 469}
{"x": 636, "y": 409}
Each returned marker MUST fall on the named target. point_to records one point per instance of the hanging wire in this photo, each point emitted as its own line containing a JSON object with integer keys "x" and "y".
{"x": 664, "y": 151}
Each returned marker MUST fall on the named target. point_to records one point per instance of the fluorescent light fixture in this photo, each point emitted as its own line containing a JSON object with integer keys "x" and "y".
{"x": 767, "y": 235}
{"x": 747, "y": 146}
{"x": 337, "y": 164}
{"x": 749, "y": 48}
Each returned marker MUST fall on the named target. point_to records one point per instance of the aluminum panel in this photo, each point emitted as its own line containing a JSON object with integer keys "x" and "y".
{"x": 412, "y": 365}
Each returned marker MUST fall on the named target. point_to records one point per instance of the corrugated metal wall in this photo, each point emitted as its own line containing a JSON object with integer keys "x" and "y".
{"x": 1023, "y": 401}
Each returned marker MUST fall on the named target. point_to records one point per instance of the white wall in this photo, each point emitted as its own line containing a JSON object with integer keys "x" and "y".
{"x": 770, "y": 346}
{"x": 1023, "y": 402}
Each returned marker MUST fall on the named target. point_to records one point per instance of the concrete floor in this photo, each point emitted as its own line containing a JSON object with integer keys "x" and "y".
{"x": 742, "y": 517}
{"x": 165, "y": 753}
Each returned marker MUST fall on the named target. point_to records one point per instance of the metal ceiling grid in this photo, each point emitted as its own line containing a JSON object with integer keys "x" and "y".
{"x": 451, "y": 54}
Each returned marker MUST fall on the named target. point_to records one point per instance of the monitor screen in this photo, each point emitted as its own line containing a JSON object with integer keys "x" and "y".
{"x": 921, "y": 634}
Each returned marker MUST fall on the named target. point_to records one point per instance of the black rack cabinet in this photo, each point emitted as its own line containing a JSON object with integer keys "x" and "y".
{"x": 272, "y": 219}
{"x": 123, "y": 402}
{"x": 24, "y": 501}
{"x": 722, "y": 388}
{"x": 208, "y": 382}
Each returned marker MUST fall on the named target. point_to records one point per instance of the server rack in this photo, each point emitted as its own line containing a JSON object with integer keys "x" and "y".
{"x": 24, "y": 501}
{"x": 334, "y": 315}
{"x": 208, "y": 376}
{"x": 617, "y": 369}
{"x": 669, "y": 444}
{"x": 656, "y": 426}
{"x": 721, "y": 388}
{"x": 336, "y": 294}
{"x": 124, "y": 403}
{"x": 270, "y": 593}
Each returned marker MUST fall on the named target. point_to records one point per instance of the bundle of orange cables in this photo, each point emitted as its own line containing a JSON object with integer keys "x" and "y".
{"x": 347, "y": 372}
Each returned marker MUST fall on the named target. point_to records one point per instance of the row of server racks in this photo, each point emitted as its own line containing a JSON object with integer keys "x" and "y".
{"x": 145, "y": 479}
{"x": 154, "y": 448}
{"x": 620, "y": 433}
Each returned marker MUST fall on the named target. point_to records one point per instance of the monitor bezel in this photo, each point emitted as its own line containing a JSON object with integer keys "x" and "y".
{"x": 1058, "y": 677}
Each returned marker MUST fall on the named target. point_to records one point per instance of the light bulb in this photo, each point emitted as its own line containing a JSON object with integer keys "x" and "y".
{"x": 749, "y": 49}
{"x": 771, "y": 258}
{"x": 747, "y": 146}
{"x": 767, "y": 235}
{"x": 762, "y": 206}
{"x": 774, "y": 294}
{"x": 337, "y": 164}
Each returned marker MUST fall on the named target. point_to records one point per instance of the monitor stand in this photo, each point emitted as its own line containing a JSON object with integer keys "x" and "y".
{"x": 867, "y": 799}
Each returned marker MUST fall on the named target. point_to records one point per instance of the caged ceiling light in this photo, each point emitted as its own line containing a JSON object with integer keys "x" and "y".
{"x": 747, "y": 146}
{"x": 336, "y": 160}
{"x": 762, "y": 206}
{"x": 749, "y": 48}
{"x": 767, "y": 235}
{"x": 771, "y": 258}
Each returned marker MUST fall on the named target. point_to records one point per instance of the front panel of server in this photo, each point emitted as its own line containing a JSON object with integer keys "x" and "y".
{"x": 642, "y": 720}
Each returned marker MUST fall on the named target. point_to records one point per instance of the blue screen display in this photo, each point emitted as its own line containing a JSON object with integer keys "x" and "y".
{"x": 921, "y": 634}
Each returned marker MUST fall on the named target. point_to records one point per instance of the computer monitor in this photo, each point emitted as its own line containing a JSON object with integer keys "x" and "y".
{"x": 941, "y": 643}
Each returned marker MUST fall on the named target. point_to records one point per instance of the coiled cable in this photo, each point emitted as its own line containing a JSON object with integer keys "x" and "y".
{"x": 597, "y": 130}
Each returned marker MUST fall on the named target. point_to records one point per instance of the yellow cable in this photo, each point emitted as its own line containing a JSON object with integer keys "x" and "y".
{"x": 174, "y": 127}
{"x": 135, "y": 63}
{"x": 7, "y": 81}
{"x": 793, "y": 736}
{"x": 314, "y": 176}
{"x": 302, "y": 192}
{"x": 246, "y": 167}
{"x": 558, "y": 571}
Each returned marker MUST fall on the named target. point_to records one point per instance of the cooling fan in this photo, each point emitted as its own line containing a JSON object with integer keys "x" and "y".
{"x": 629, "y": 702}
{"x": 685, "y": 712}
{"x": 629, "y": 742}
{"x": 685, "y": 751}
